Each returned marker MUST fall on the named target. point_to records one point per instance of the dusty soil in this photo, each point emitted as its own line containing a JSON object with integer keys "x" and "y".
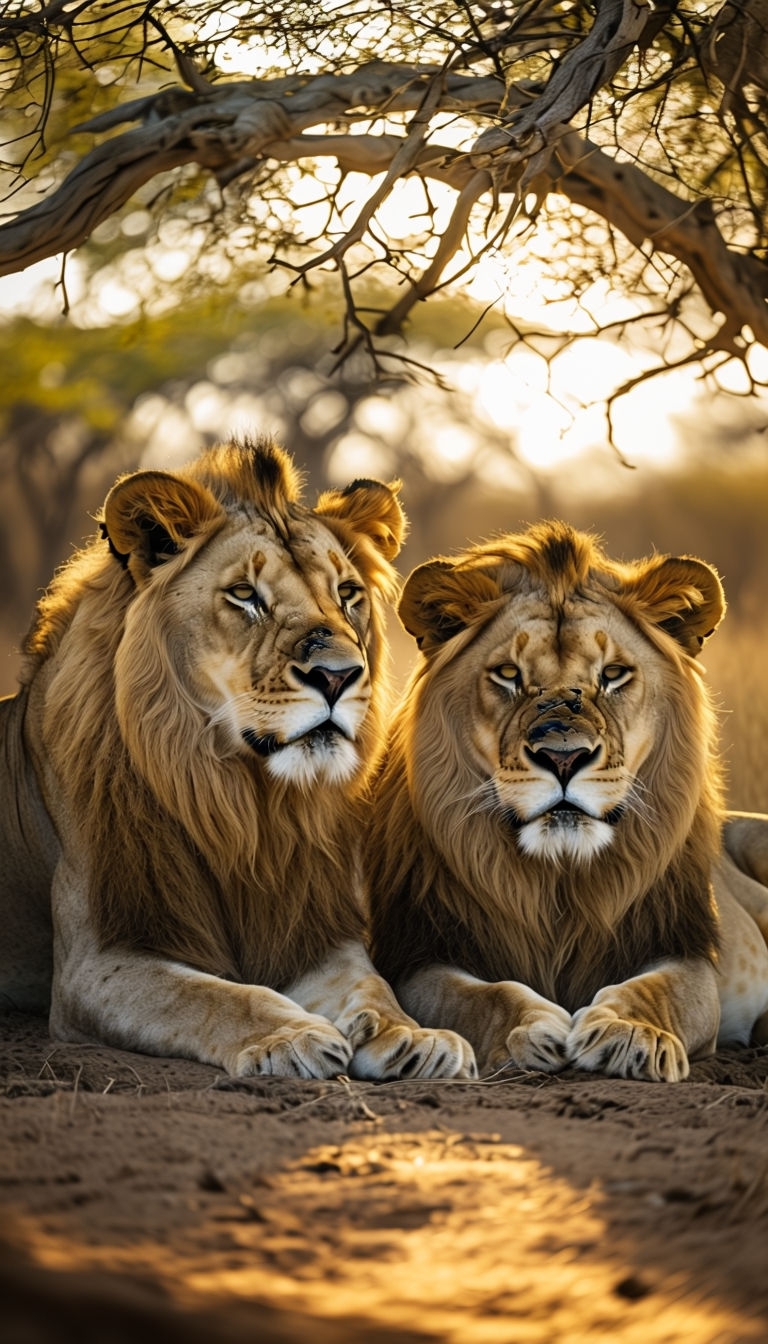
{"x": 157, "y": 1195}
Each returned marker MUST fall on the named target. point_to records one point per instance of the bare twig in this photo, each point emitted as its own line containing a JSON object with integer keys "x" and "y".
{"x": 509, "y": 106}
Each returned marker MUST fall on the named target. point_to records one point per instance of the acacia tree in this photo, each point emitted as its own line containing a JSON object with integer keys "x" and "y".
{"x": 638, "y": 130}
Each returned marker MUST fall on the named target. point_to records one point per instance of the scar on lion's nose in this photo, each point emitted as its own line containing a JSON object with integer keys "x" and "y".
{"x": 316, "y": 639}
{"x": 569, "y": 699}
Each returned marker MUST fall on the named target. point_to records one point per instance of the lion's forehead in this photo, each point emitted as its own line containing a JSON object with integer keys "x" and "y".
{"x": 285, "y": 556}
{"x": 549, "y": 641}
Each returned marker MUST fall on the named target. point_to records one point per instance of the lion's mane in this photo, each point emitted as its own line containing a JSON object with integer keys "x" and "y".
{"x": 193, "y": 855}
{"x": 448, "y": 882}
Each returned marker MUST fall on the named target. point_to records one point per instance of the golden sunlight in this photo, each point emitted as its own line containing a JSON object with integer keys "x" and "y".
{"x": 461, "y": 1235}
{"x": 557, "y": 414}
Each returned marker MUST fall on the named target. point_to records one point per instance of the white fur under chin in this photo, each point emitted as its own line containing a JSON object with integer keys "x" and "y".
{"x": 305, "y": 763}
{"x": 544, "y": 839}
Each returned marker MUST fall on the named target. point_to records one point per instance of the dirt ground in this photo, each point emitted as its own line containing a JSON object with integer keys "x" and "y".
{"x": 158, "y": 1195}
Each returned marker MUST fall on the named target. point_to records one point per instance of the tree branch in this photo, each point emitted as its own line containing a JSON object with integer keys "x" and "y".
{"x": 590, "y": 63}
{"x": 732, "y": 283}
{"x": 221, "y": 129}
{"x": 407, "y": 152}
{"x": 228, "y": 129}
{"x": 450, "y": 242}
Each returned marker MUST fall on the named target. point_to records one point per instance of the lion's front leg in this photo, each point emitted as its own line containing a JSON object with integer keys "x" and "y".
{"x": 387, "y": 1043}
{"x": 147, "y": 1003}
{"x": 650, "y": 1026}
{"x": 504, "y": 1021}
{"x": 165, "y": 1008}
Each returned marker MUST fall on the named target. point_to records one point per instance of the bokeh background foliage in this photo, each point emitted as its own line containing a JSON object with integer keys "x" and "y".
{"x": 512, "y": 253}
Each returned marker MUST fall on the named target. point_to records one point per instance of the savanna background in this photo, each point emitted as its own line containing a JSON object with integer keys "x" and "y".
{"x": 84, "y": 401}
{"x": 554, "y": 306}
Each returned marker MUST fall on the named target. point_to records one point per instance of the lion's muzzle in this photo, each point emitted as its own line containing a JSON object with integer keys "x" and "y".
{"x": 560, "y": 737}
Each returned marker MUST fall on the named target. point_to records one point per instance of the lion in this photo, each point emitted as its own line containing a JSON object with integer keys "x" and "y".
{"x": 544, "y": 852}
{"x": 200, "y": 707}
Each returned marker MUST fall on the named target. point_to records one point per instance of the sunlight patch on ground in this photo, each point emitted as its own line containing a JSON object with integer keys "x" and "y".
{"x": 458, "y": 1234}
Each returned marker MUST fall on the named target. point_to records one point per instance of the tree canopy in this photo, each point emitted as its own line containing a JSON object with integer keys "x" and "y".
{"x": 622, "y": 143}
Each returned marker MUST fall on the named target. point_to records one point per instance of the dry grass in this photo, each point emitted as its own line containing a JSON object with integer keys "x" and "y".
{"x": 737, "y": 668}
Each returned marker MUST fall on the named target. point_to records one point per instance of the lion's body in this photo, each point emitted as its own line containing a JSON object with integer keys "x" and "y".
{"x": 547, "y": 821}
{"x": 199, "y": 712}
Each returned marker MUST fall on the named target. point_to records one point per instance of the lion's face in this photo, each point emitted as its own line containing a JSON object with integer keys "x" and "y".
{"x": 561, "y": 717}
{"x": 260, "y": 611}
{"x": 553, "y": 677}
{"x": 280, "y": 624}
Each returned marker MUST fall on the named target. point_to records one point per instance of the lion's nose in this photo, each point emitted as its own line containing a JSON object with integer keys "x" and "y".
{"x": 330, "y": 681}
{"x": 566, "y": 763}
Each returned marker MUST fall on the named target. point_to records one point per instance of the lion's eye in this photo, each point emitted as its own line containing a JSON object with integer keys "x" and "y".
{"x": 507, "y": 674}
{"x": 244, "y": 595}
{"x": 615, "y": 675}
{"x": 242, "y": 592}
{"x": 348, "y": 591}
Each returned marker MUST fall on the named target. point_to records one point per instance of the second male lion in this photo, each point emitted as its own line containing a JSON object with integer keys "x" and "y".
{"x": 546, "y": 825}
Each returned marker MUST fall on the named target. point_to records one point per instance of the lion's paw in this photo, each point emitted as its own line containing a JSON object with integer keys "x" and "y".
{"x": 603, "y": 1042}
{"x": 398, "y": 1050}
{"x": 301, "y": 1051}
{"x": 538, "y": 1042}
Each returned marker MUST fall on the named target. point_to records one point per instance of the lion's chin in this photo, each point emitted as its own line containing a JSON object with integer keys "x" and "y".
{"x": 559, "y": 835}
{"x": 323, "y": 755}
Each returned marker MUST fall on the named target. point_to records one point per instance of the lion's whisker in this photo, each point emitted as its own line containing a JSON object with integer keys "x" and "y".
{"x": 640, "y": 805}
{"x": 485, "y": 798}
{"x": 226, "y": 709}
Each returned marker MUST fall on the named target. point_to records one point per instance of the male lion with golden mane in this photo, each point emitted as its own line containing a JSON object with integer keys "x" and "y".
{"x": 199, "y": 711}
{"x": 546, "y": 828}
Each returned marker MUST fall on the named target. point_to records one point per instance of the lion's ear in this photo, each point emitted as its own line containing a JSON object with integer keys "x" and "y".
{"x": 151, "y": 515}
{"x": 369, "y": 507}
{"x": 681, "y": 595}
{"x": 441, "y": 598}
